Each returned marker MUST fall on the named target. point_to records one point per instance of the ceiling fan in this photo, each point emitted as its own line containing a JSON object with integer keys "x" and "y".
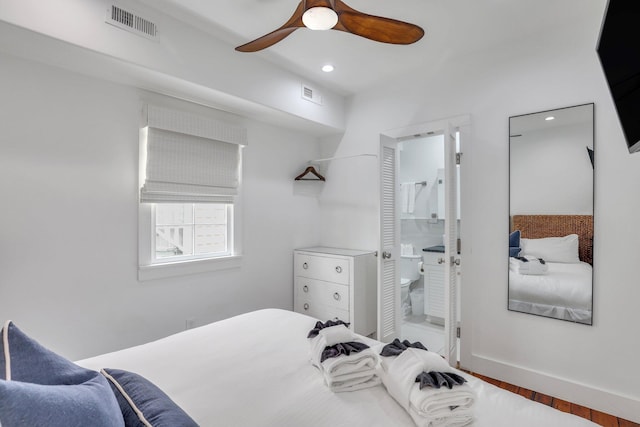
{"x": 336, "y": 15}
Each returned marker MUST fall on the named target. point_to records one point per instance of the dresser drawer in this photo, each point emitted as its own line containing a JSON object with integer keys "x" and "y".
{"x": 319, "y": 311}
{"x": 325, "y": 293}
{"x": 322, "y": 268}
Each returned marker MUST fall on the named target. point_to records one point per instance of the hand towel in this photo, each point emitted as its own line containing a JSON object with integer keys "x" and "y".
{"x": 404, "y": 197}
{"x": 528, "y": 265}
{"x": 428, "y": 407}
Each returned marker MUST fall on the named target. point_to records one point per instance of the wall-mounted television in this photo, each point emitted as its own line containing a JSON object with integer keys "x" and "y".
{"x": 619, "y": 52}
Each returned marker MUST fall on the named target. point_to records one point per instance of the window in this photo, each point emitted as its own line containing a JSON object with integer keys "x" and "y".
{"x": 190, "y": 170}
{"x": 185, "y": 231}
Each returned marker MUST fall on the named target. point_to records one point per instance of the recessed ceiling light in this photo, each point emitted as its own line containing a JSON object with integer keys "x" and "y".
{"x": 328, "y": 68}
{"x": 549, "y": 118}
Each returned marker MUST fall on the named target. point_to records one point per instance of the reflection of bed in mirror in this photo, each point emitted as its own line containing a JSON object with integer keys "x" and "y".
{"x": 564, "y": 291}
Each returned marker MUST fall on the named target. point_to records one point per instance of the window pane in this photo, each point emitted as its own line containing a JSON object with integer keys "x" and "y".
{"x": 174, "y": 213}
{"x": 210, "y": 213}
{"x": 210, "y": 239}
{"x": 174, "y": 241}
{"x": 188, "y": 230}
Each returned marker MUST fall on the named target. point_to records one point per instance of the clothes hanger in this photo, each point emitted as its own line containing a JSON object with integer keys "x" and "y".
{"x": 310, "y": 170}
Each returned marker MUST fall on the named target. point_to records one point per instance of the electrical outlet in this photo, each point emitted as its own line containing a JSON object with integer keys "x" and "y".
{"x": 190, "y": 323}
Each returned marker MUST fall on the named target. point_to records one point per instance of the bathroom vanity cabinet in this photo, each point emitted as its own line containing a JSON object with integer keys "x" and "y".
{"x": 434, "y": 285}
{"x": 333, "y": 283}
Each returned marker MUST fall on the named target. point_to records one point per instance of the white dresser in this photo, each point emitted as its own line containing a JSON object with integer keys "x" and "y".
{"x": 338, "y": 283}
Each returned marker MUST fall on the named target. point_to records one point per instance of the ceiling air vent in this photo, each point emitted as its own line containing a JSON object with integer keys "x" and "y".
{"x": 311, "y": 94}
{"x": 131, "y": 21}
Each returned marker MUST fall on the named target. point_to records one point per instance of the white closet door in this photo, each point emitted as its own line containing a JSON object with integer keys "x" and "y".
{"x": 452, "y": 259}
{"x": 389, "y": 259}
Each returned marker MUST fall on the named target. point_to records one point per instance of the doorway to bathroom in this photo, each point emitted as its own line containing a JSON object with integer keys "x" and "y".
{"x": 420, "y": 266}
{"x": 422, "y": 230}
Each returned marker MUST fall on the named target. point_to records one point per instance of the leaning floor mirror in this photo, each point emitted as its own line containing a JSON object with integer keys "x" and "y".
{"x": 551, "y": 172}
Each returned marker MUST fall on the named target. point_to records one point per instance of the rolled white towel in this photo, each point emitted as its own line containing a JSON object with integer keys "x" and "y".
{"x": 429, "y": 406}
{"x": 336, "y": 334}
{"x": 532, "y": 266}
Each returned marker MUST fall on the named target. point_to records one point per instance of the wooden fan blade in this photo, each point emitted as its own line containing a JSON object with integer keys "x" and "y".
{"x": 274, "y": 37}
{"x": 266, "y": 40}
{"x": 378, "y": 28}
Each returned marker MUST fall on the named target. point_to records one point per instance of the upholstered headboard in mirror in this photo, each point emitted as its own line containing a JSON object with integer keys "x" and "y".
{"x": 540, "y": 226}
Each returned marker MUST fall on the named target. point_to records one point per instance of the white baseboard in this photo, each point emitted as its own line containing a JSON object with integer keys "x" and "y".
{"x": 582, "y": 394}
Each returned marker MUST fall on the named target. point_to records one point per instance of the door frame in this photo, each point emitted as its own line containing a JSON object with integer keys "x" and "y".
{"x": 461, "y": 123}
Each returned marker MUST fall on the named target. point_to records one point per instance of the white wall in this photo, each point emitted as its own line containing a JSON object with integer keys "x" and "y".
{"x": 590, "y": 365}
{"x": 68, "y": 222}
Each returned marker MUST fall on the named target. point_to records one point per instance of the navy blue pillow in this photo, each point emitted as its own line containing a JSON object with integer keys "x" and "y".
{"x": 143, "y": 403}
{"x": 90, "y": 403}
{"x": 514, "y": 243}
{"x": 41, "y": 388}
{"x": 514, "y": 239}
{"x": 30, "y": 362}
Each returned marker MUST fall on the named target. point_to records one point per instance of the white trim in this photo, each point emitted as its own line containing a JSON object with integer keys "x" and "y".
{"x": 609, "y": 402}
{"x": 7, "y": 353}
{"x": 174, "y": 269}
{"x": 127, "y": 398}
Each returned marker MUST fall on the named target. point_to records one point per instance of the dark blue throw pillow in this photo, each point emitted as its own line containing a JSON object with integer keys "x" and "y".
{"x": 514, "y": 243}
{"x": 143, "y": 403}
{"x": 90, "y": 403}
{"x": 514, "y": 239}
{"x": 39, "y": 388}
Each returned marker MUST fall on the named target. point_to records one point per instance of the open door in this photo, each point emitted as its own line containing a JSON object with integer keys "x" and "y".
{"x": 389, "y": 313}
{"x": 389, "y": 257}
{"x": 451, "y": 256}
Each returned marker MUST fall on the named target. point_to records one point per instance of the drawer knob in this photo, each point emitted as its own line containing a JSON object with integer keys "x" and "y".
{"x": 336, "y": 296}
{"x": 305, "y": 288}
{"x": 305, "y": 266}
{"x": 440, "y": 260}
{"x": 338, "y": 269}
{"x": 306, "y": 306}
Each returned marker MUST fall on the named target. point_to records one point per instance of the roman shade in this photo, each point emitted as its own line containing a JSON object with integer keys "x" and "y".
{"x": 189, "y": 158}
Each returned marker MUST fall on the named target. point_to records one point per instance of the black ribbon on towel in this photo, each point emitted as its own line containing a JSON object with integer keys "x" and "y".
{"x": 397, "y": 347}
{"x": 319, "y": 326}
{"x": 345, "y": 348}
{"x": 439, "y": 379}
{"x": 523, "y": 259}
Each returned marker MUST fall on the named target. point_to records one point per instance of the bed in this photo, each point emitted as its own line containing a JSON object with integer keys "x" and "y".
{"x": 565, "y": 290}
{"x": 254, "y": 370}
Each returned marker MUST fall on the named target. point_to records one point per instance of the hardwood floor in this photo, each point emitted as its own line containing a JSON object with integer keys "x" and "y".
{"x": 597, "y": 417}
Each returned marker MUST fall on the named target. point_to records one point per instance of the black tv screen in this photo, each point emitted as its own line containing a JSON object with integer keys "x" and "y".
{"x": 619, "y": 52}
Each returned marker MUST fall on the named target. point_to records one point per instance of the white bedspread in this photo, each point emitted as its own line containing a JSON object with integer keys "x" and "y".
{"x": 253, "y": 370}
{"x": 564, "y": 292}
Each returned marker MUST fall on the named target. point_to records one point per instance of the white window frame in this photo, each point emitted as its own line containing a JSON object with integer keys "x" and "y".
{"x": 150, "y": 269}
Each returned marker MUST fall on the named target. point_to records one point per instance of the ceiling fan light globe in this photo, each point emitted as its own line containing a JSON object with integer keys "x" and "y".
{"x": 320, "y": 18}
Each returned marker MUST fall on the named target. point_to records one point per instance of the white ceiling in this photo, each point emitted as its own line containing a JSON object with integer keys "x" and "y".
{"x": 453, "y": 27}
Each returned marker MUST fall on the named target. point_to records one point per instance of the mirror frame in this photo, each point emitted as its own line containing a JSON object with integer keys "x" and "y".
{"x": 509, "y": 206}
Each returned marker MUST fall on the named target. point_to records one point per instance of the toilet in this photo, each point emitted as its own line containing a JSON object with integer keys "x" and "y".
{"x": 409, "y": 273}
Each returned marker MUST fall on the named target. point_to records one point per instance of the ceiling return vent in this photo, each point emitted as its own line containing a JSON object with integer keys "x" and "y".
{"x": 311, "y": 94}
{"x": 131, "y": 21}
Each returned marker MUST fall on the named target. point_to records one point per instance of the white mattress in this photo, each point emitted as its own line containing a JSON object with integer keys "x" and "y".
{"x": 253, "y": 370}
{"x": 564, "y": 292}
